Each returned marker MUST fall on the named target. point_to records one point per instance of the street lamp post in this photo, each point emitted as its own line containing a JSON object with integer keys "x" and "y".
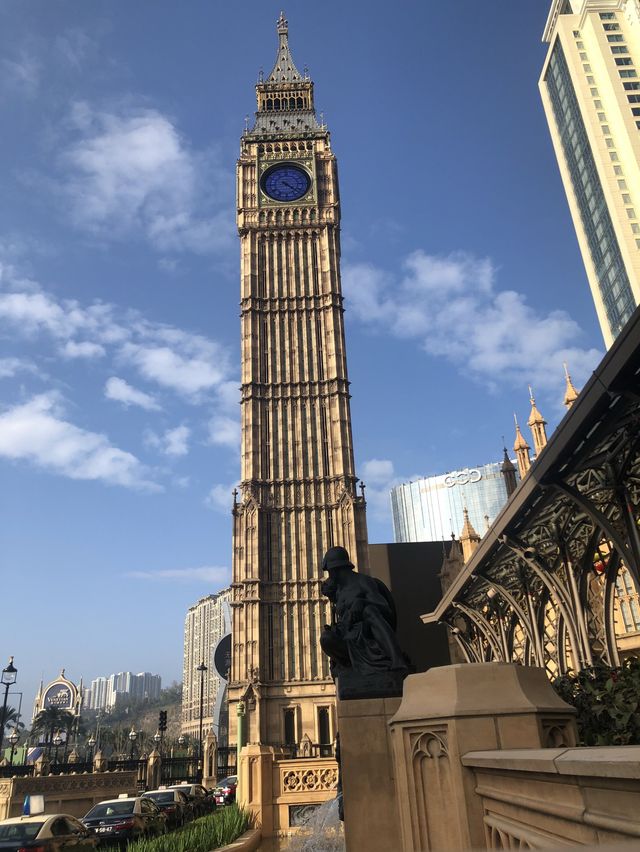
{"x": 91, "y": 743}
{"x": 9, "y": 676}
{"x": 202, "y": 669}
{"x": 133, "y": 736}
{"x": 14, "y": 736}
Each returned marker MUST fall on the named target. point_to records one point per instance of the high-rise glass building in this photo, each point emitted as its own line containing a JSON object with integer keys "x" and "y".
{"x": 432, "y": 508}
{"x": 590, "y": 87}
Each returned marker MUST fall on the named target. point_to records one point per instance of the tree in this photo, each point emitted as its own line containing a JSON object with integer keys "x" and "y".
{"x": 52, "y": 719}
{"x": 11, "y": 720}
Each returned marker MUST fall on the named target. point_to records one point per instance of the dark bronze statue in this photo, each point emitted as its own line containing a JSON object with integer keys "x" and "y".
{"x": 366, "y": 660}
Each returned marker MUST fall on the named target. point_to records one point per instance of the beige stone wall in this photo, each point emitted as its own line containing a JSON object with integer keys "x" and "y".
{"x": 554, "y": 797}
{"x": 69, "y": 794}
{"x": 272, "y": 788}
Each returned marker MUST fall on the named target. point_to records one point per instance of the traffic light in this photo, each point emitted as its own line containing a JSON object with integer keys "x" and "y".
{"x": 162, "y": 721}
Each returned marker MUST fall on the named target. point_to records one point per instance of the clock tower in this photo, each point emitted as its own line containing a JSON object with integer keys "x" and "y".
{"x": 298, "y": 492}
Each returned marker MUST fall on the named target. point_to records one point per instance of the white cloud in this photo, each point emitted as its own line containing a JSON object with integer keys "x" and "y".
{"x": 121, "y": 391}
{"x": 174, "y": 442}
{"x": 187, "y": 363}
{"x": 450, "y": 305}
{"x": 200, "y": 366}
{"x": 213, "y": 575}
{"x": 224, "y": 431}
{"x": 10, "y": 366}
{"x": 37, "y": 432}
{"x": 379, "y": 477}
{"x": 220, "y": 498}
{"x": 82, "y": 349}
{"x": 132, "y": 171}
{"x": 376, "y": 471}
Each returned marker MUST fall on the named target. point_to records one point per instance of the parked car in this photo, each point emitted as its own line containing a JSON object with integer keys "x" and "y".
{"x": 174, "y": 804}
{"x": 45, "y": 833}
{"x": 121, "y": 820}
{"x": 225, "y": 790}
{"x": 202, "y": 801}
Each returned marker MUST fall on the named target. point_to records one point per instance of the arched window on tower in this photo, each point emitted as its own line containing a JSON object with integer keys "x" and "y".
{"x": 299, "y": 103}
{"x": 276, "y": 103}
{"x": 292, "y": 103}
{"x": 269, "y": 103}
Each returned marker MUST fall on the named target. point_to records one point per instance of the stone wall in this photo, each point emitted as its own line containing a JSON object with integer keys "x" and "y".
{"x": 69, "y": 794}
{"x": 534, "y": 798}
{"x": 281, "y": 792}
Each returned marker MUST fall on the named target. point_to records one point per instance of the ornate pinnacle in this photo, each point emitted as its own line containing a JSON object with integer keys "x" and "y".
{"x": 282, "y": 25}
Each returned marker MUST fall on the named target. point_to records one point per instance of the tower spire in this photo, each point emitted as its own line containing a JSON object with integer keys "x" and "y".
{"x": 537, "y": 423}
{"x": 285, "y": 96}
{"x": 521, "y": 449}
{"x": 508, "y": 472}
{"x": 469, "y": 538}
{"x": 284, "y": 70}
{"x": 571, "y": 394}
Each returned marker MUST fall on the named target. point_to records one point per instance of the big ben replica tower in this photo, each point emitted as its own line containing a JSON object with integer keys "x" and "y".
{"x": 298, "y": 485}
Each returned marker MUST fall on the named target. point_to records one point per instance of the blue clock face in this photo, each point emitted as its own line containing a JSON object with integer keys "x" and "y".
{"x": 286, "y": 182}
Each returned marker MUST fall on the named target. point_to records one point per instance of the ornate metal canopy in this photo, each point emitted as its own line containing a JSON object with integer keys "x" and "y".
{"x": 555, "y": 580}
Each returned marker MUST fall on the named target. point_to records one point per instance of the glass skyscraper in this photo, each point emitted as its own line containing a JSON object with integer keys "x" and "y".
{"x": 430, "y": 509}
{"x": 591, "y": 95}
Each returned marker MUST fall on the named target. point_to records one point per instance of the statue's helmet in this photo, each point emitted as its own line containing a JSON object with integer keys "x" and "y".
{"x": 336, "y": 557}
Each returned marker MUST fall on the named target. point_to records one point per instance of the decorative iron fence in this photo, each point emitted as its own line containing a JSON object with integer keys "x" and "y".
{"x": 227, "y": 762}
{"x": 69, "y": 768}
{"x": 138, "y": 766}
{"x": 293, "y": 751}
{"x": 17, "y": 771}
{"x": 177, "y": 770}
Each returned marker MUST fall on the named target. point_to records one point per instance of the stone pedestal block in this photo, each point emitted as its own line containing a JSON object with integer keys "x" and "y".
{"x": 448, "y": 712}
{"x": 255, "y": 784}
{"x": 368, "y": 786}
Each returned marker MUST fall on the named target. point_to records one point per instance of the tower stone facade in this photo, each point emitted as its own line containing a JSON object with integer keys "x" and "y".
{"x": 298, "y": 485}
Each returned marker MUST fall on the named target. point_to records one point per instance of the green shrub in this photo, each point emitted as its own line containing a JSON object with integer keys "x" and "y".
{"x": 608, "y": 702}
{"x": 217, "y": 829}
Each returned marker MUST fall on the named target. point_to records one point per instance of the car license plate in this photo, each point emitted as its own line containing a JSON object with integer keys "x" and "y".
{"x": 220, "y": 800}
{"x": 103, "y": 828}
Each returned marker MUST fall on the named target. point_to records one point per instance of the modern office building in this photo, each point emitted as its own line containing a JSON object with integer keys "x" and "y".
{"x": 432, "y": 508}
{"x": 590, "y": 87}
{"x": 207, "y": 622}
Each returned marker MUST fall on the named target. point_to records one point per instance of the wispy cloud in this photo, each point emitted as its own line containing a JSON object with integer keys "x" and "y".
{"x": 379, "y": 477}
{"x": 82, "y": 349}
{"x": 220, "y": 498}
{"x": 451, "y": 307}
{"x": 213, "y": 575}
{"x": 9, "y": 367}
{"x": 131, "y": 171}
{"x": 174, "y": 442}
{"x": 37, "y": 432}
{"x": 224, "y": 431}
{"x": 121, "y": 391}
{"x": 21, "y": 73}
{"x": 187, "y": 363}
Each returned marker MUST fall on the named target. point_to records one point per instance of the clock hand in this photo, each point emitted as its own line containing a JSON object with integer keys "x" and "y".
{"x": 287, "y": 184}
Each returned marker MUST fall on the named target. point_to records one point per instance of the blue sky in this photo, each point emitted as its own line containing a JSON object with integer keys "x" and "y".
{"x": 119, "y": 288}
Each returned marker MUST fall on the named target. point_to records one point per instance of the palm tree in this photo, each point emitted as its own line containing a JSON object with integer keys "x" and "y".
{"x": 12, "y": 720}
{"x": 52, "y": 719}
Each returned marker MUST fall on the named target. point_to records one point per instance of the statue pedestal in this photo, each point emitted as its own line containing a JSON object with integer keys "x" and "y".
{"x": 366, "y": 763}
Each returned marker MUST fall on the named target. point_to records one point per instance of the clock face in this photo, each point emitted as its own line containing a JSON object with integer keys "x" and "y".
{"x": 286, "y": 182}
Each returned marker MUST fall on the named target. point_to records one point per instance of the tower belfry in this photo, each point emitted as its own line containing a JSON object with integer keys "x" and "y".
{"x": 298, "y": 484}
